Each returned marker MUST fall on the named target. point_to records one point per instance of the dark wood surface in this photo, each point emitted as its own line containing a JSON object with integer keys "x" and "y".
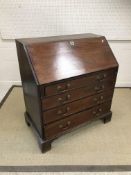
{"x": 76, "y": 106}
{"x": 52, "y": 130}
{"x": 67, "y": 81}
{"x": 69, "y": 96}
{"x": 53, "y": 61}
{"x": 69, "y": 84}
{"x": 30, "y": 89}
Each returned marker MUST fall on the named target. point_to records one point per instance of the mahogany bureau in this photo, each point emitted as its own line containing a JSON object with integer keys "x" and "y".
{"x": 67, "y": 81}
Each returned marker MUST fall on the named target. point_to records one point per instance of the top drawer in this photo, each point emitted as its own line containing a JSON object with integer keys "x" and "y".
{"x": 76, "y": 83}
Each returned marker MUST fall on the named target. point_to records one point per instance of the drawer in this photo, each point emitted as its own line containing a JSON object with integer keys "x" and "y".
{"x": 77, "y": 83}
{"x": 92, "y": 88}
{"x": 57, "y": 128}
{"x": 76, "y": 106}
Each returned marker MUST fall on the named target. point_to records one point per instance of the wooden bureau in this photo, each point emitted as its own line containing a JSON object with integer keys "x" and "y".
{"x": 67, "y": 81}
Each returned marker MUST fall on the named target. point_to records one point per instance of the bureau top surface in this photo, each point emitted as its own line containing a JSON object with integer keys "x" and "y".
{"x": 57, "y": 58}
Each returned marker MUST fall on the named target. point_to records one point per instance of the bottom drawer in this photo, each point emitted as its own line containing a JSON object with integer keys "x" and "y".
{"x": 56, "y": 128}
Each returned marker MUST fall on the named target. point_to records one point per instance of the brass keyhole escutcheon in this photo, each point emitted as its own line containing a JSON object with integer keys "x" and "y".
{"x": 72, "y": 43}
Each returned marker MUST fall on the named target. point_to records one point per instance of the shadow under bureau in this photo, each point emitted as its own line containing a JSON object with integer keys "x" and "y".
{"x": 67, "y": 81}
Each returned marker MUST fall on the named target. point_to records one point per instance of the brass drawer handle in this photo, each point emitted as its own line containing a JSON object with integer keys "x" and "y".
{"x": 99, "y": 88}
{"x": 59, "y": 99}
{"x": 62, "y": 112}
{"x": 101, "y": 97}
{"x": 68, "y": 85}
{"x": 96, "y": 100}
{"x": 59, "y": 112}
{"x": 99, "y": 110}
{"x": 105, "y": 75}
{"x": 64, "y": 127}
{"x": 101, "y": 77}
{"x": 60, "y": 88}
{"x": 94, "y": 112}
{"x": 68, "y": 108}
{"x": 98, "y": 77}
{"x": 64, "y": 100}
{"x": 68, "y": 96}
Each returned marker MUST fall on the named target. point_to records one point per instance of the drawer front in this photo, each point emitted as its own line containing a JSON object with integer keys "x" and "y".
{"x": 56, "y": 128}
{"x": 94, "y": 88}
{"x": 76, "y": 106}
{"x": 79, "y": 82}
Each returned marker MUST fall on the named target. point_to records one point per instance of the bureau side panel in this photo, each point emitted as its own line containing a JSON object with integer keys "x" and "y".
{"x": 30, "y": 88}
